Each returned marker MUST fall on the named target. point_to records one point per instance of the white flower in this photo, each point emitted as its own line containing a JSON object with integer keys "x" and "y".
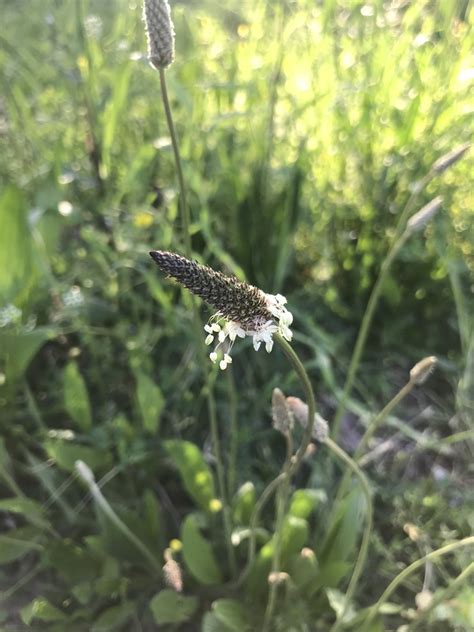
{"x": 261, "y": 332}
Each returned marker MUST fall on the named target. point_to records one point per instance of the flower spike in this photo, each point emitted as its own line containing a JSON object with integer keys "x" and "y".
{"x": 242, "y": 309}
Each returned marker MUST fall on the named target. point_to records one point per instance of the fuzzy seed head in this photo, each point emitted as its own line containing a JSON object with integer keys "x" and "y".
{"x": 233, "y": 299}
{"x": 423, "y": 369}
{"x": 450, "y": 158}
{"x": 420, "y": 219}
{"x": 299, "y": 409}
{"x": 160, "y": 32}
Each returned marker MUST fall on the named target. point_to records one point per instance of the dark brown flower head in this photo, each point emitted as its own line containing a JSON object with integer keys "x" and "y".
{"x": 233, "y": 299}
{"x": 160, "y": 32}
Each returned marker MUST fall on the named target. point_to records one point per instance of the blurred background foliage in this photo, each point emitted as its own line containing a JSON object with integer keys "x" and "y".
{"x": 304, "y": 128}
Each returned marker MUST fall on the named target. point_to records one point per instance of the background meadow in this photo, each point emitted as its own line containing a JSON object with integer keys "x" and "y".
{"x": 305, "y": 129}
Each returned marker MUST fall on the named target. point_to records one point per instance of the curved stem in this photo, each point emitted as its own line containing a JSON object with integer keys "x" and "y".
{"x": 363, "y": 332}
{"x": 442, "y": 596}
{"x": 177, "y": 158}
{"x": 310, "y": 400}
{"x": 118, "y": 522}
{"x": 282, "y": 502}
{"x": 400, "y": 578}
{"x": 371, "y": 429}
{"x": 291, "y": 466}
{"x": 364, "y": 546}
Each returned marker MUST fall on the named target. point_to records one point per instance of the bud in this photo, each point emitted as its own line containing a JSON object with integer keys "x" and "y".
{"x": 84, "y": 472}
{"x": 420, "y": 219}
{"x": 423, "y": 369}
{"x": 300, "y": 411}
{"x": 172, "y": 572}
{"x": 160, "y": 32}
{"x": 278, "y": 578}
{"x": 450, "y": 158}
{"x": 282, "y": 420}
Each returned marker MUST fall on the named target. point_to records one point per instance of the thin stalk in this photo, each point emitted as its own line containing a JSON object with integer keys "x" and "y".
{"x": 232, "y": 466}
{"x": 310, "y": 400}
{"x": 399, "y": 239}
{"x": 442, "y": 596}
{"x": 179, "y": 170}
{"x": 211, "y": 404}
{"x": 374, "y": 424}
{"x": 282, "y": 503}
{"x": 364, "y": 330}
{"x": 291, "y": 466}
{"x": 364, "y": 546}
{"x": 86, "y": 475}
{"x": 401, "y": 577}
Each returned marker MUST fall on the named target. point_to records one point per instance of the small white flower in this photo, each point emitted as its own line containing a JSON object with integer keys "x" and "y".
{"x": 228, "y": 331}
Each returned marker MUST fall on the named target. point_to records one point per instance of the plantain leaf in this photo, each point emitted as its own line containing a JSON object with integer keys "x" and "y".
{"x": 197, "y": 553}
{"x": 150, "y": 401}
{"x": 76, "y": 398}
{"x": 170, "y": 607}
{"x": 194, "y": 471}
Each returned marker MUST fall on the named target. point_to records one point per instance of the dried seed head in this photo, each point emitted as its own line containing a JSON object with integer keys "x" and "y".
{"x": 450, "y": 158}
{"x": 233, "y": 299}
{"x": 281, "y": 415}
{"x": 160, "y": 32}
{"x": 172, "y": 572}
{"x": 300, "y": 412}
{"x": 420, "y": 219}
{"x": 423, "y": 369}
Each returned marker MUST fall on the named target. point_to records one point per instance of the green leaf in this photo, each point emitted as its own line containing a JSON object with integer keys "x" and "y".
{"x": 243, "y": 503}
{"x": 150, "y": 401}
{"x": 30, "y": 509}
{"x": 76, "y": 398}
{"x": 194, "y": 471}
{"x": 344, "y": 532}
{"x": 74, "y": 563}
{"x": 66, "y": 453}
{"x": 169, "y": 606}
{"x": 17, "y": 350}
{"x": 210, "y": 623}
{"x": 19, "y": 269}
{"x": 114, "y": 617}
{"x": 232, "y": 614}
{"x": 197, "y": 553}
{"x": 305, "y": 501}
{"x": 17, "y": 542}
{"x": 293, "y": 539}
{"x": 40, "y": 608}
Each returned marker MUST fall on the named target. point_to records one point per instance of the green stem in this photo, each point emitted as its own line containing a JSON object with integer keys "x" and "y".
{"x": 282, "y": 502}
{"x": 442, "y": 596}
{"x": 310, "y": 400}
{"x": 399, "y": 240}
{"x": 211, "y": 405}
{"x": 177, "y": 158}
{"x": 234, "y": 433}
{"x": 364, "y": 330}
{"x": 400, "y": 578}
{"x": 291, "y": 466}
{"x": 364, "y": 546}
{"x": 86, "y": 475}
{"x": 374, "y": 424}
